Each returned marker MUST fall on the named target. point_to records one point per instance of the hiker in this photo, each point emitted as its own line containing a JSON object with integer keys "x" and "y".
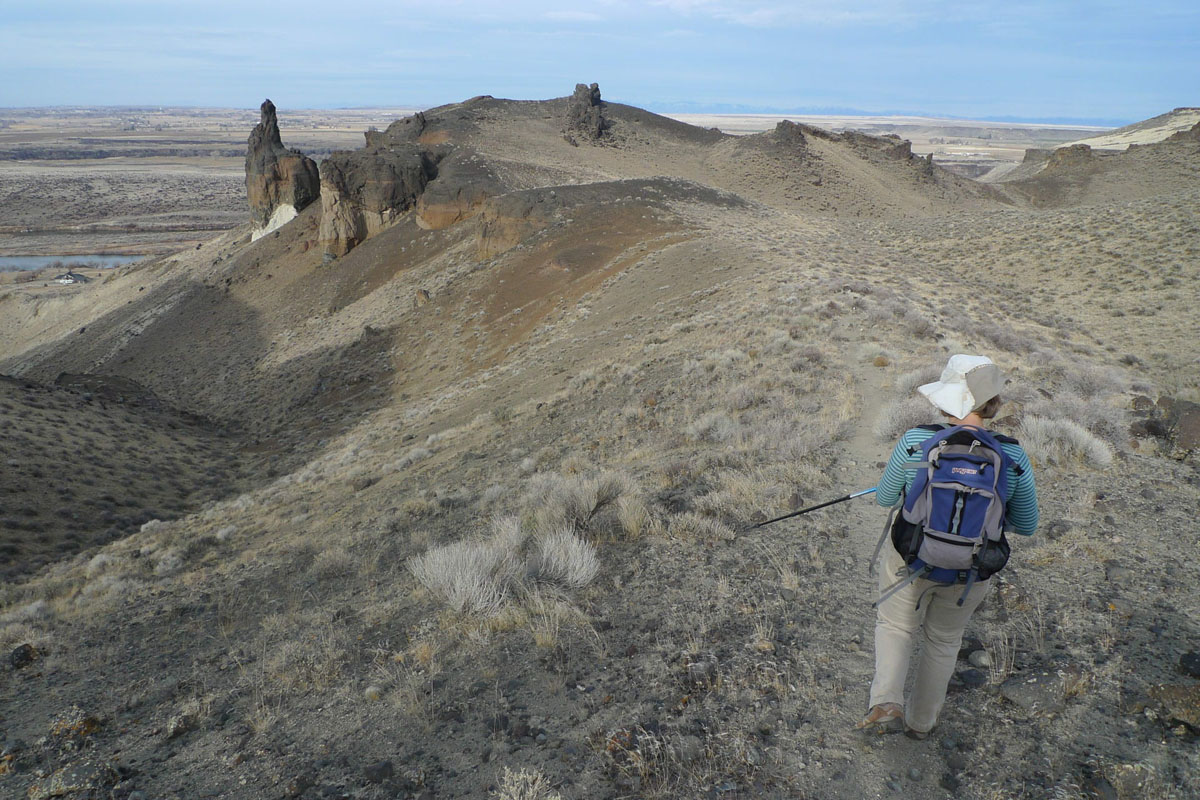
{"x": 916, "y": 593}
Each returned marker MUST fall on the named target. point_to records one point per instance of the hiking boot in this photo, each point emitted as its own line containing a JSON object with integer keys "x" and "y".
{"x": 883, "y": 718}
{"x": 913, "y": 733}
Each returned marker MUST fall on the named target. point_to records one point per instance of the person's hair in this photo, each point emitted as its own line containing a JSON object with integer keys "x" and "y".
{"x": 986, "y": 411}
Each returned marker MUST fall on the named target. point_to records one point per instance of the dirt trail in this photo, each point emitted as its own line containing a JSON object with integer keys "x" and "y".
{"x": 865, "y": 452}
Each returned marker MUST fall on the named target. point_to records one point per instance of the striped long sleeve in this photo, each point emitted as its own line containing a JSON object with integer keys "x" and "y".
{"x": 1021, "y": 509}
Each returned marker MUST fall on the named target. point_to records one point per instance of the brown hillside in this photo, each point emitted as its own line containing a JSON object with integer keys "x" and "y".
{"x": 1080, "y": 175}
{"x": 496, "y": 417}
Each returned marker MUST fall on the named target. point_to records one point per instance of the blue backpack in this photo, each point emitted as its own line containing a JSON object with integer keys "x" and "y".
{"x": 950, "y": 525}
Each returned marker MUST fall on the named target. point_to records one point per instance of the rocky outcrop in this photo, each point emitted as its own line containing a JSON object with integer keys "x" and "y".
{"x": 364, "y": 191}
{"x": 419, "y": 164}
{"x": 1192, "y": 134}
{"x": 585, "y": 118}
{"x": 1068, "y": 157}
{"x": 464, "y": 182}
{"x": 789, "y": 133}
{"x": 279, "y": 182}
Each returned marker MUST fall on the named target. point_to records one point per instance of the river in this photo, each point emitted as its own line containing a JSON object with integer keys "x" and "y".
{"x": 10, "y": 263}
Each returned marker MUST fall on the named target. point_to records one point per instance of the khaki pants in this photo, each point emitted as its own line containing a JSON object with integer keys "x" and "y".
{"x": 941, "y": 622}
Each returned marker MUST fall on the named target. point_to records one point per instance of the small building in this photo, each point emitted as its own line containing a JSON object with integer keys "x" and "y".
{"x": 69, "y": 277}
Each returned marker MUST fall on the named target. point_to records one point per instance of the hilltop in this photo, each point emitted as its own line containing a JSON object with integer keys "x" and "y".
{"x": 489, "y": 412}
{"x": 1148, "y": 131}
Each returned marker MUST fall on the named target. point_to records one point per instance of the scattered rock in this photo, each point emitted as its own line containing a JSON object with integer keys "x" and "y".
{"x": 1184, "y": 422}
{"x": 1189, "y": 664}
{"x": 74, "y": 724}
{"x": 972, "y": 678}
{"x": 23, "y": 655}
{"x": 1041, "y": 692}
{"x": 702, "y": 672}
{"x": 87, "y": 778}
{"x": 373, "y": 693}
{"x": 981, "y": 659}
{"x": 1098, "y": 788}
{"x": 298, "y": 785}
{"x": 1116, "y": 572}
{"x": 182, "y": 723}
{"x": 969, "y": 645}
{"x": 378, "y": 772}
{"x": 363, "y": 482}
{"x": 1180, "y": 703}
{"x": 1056, "y": 529}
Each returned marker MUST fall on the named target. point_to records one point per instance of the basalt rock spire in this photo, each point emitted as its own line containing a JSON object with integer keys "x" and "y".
{"x": 279, "y": 182}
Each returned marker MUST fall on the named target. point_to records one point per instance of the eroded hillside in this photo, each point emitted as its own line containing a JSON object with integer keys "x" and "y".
{"x": 508, "y": 430}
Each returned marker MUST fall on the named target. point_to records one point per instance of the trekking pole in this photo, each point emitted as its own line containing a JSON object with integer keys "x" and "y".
{"x": 850, "y": 496}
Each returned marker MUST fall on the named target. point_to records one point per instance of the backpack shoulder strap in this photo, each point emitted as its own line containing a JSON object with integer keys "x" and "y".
{"x": 933, "y": 427}
{"x": 1002, "y": 439}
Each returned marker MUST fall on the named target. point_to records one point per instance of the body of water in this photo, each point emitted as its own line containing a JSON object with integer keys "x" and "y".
{"x": 9, "y": 263}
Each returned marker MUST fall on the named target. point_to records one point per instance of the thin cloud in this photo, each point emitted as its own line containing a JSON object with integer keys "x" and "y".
{"x": 758, "y": 14}
{"x": 574, "y": 16}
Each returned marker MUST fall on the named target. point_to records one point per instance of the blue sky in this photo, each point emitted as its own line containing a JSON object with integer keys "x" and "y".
{"x": 1115, "y": 61}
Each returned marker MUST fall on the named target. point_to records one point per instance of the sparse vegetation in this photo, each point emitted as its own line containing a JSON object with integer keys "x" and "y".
{"x": 442, "y": 539}
{"x": 1059, "y": 441}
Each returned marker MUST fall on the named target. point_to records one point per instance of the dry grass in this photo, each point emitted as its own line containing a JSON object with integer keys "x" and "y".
{"x": 900, "y": 415}
{"x": 525, "y": 784}
{"x": 472, "y": 577}
{"x": 565, "y": 559}
{"x": 1060, "y": 441}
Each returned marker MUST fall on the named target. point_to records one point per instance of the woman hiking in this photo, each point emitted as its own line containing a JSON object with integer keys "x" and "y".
{"x": 938, "y": 602}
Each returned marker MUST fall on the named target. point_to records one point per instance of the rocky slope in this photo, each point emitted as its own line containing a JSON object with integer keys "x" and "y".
{"x": 502, "y": 450}
{"x": 1147, "y": 131}
{"x": 1080, "y": 175}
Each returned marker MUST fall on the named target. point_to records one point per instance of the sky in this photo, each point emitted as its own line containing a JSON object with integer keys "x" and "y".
{"x": 1099, "y": 61}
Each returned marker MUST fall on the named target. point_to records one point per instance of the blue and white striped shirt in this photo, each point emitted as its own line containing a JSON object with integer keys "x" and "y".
{"x": 1021, "y": 509}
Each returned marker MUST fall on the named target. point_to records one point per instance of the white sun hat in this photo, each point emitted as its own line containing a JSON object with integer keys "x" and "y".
{"x": 967, "y": 383}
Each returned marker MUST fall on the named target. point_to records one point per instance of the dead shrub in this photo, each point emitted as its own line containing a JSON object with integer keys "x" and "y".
{"x": 566, "y": 559}
{"x": 471, "y": 576}
{"x": 578, "y": 502}
{"x": 1096, "y": 414}
{"x": 1056, "y": 441}
{"x": 900, "y": 415}
{"x": 714, "y": 427}
{"x": 907, "y": 383}
{"x": 693, "y": 526}
{"x": 1091, "y": 380}
{"x": 524, "y": 785}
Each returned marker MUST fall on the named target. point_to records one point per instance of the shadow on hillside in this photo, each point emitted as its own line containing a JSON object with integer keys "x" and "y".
{"x": 204, "y": 363}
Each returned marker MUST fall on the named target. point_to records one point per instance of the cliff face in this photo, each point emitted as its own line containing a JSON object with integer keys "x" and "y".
{"x": 363, "y": 191}
{"x": 279, "y": 182}
{"x": 420, "y": 164}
